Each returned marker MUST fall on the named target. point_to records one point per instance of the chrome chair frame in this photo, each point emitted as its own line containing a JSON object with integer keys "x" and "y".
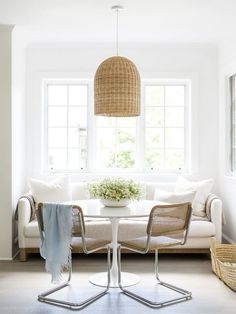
{"x": 43, "y": 297}
{"x": 185, "y": 295}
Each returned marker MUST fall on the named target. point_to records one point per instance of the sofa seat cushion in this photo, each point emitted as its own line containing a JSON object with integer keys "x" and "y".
{"x": 99, "y": 228}
{"x": 128, "y": 228}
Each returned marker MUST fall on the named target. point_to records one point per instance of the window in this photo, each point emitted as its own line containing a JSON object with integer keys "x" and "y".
{"x": 66, "y": 133}
{"x": 233, "y": 121}
{"x": 155, "y": 141}
{"x": 165, "y": 127}
{"x": 116, "y": 142}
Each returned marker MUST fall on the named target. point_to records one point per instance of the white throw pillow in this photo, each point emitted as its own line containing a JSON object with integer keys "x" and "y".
{"x": 80, "y": 191}
{"x": 57, "y": 191}
{"x": 174, "y": 198}
{"x": 202, "y": 188}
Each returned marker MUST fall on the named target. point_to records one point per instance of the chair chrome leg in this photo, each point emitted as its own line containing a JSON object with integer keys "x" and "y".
{"x": 42, "y": 296}
{"x": 156, "y": 266}
{"x": 185, "y": 295}
{"x": 119, "y": 267}
{"x": 75, "y": 305}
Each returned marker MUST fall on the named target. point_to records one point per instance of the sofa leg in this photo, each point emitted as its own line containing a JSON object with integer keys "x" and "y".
{"x": 23, "y": 255}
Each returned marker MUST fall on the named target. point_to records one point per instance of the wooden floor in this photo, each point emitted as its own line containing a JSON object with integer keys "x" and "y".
{"x": 20, "y": 283}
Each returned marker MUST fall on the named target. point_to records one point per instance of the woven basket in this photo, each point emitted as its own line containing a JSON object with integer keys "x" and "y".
{"x": 223, "y": 259}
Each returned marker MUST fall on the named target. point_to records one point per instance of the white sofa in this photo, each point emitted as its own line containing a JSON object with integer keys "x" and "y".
{"x": 201, "y": 228}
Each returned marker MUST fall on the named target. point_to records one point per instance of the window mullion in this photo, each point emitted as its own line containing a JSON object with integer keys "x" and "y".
{"x": 164, "y": 130}
{"x": 232, "y": 114}
{"x": 67, "y": 130}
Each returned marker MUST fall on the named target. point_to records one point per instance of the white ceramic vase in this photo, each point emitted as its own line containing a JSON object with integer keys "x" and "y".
{"x": 110, "y": 203}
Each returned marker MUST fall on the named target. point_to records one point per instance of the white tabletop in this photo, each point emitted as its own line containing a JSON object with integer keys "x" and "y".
{"x": 94, "y": 208}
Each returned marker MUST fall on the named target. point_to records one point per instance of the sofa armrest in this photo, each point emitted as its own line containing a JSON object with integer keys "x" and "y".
{"x": 24, "y": 216}
{"x": 216, "y": 217}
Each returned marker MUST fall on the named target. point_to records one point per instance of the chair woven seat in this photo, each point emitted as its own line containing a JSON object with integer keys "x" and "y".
{"x": 154, "y": 243}
{"x": 91, "y": 243}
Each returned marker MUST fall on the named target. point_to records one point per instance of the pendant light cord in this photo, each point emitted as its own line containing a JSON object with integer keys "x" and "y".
{"x": 117, "y": 31}
{"x": 117, "y": 8}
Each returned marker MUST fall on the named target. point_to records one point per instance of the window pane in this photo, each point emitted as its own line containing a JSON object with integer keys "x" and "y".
{"x": 78, "y": 95}
{"x": 123, "y": 159}
{"x": 116, "y": 147}
{"x": 154, "y": 116}
{"x": 57, "y": 159}
{"x": 174, "y": 117}
{"x": 57, "y": 95}
{"x": 174, "y": 95}
{"x": 106, "y": 138}
{"x": 154, "y": 158}
{"x": 77, "y": 116}
{"x": 174, "y": 159}
{"x": 174, "y": 138}
{"x": 57, "y": 116}
{"x": 73, "y": 159}
{"x": 57, "y": 137}
{"x": 73, "y": 137}
{"x": 83, "y": 160}
{"x": 154, "y": 137}
{"x": 105, "y": 122}
{"x": 127, "y": 122}
{"x": 105, "y": 158}
{"x": 126, "y": 137}
{"x": 154, "y": 96}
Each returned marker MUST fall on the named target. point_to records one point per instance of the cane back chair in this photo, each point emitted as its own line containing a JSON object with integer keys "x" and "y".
{"x": 79, "y": 243}
{"x": 167, "y": 226}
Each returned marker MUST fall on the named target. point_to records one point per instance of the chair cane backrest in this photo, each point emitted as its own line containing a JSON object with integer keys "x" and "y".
{"x": 169, "y": 219}
{"x": 78, "y": 225}
{"x": 78, "y": 228}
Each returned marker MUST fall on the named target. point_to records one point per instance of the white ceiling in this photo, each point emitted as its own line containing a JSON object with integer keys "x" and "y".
{"x": 141, "y": 20}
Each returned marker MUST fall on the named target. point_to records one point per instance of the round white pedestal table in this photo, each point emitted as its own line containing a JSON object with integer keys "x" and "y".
{"x": 94, "y": 209}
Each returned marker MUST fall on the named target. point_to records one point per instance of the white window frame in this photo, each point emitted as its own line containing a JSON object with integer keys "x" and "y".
{"x": 64, "y": 82}
{"x": 187, "y": 120}
{"x": 232, "y": 100}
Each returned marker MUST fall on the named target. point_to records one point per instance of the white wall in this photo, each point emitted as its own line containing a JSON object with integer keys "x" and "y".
{"x": 18, "y": 123}
{"x": 226, "y": 182}
{"x": 12, "y": 135}
{"x": 196, "y": 61}
{"x": 5, "y": 142}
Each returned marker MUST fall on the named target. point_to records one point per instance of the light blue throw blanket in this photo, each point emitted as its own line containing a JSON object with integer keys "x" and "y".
{"x": 55, "y": 247}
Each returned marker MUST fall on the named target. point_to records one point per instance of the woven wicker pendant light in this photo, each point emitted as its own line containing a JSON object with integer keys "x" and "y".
{"x": 117, "y": 86}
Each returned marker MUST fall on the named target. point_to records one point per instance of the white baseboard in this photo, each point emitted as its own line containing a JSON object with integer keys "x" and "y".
{"x": 228, "y": 239}
{"x": 9, "y": 258}
{"x": 5, "y": 259}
